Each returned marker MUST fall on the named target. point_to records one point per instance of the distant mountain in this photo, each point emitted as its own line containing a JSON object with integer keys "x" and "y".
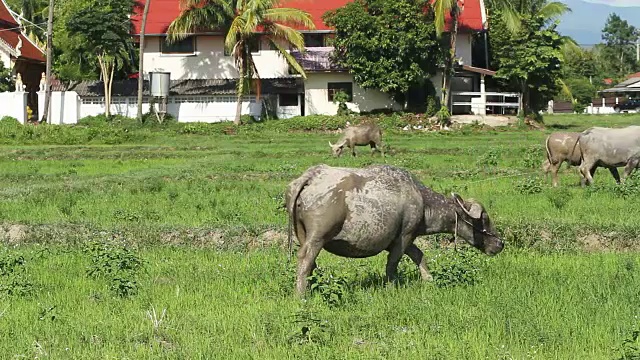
{"x": 586, "y": 20}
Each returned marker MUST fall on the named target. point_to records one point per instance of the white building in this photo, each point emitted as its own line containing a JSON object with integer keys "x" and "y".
{"x": 203, "y": 74}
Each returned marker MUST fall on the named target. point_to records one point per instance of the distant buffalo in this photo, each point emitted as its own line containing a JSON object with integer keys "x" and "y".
{"x": 361, "y": 135}
{"x": 564, "y": 146}
{"x": 609, "y": 148}
{"x": 359, "y": 213}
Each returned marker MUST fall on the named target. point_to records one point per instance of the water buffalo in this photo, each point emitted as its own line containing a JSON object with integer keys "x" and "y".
{"x": 609, "y": 148}
{"x": 360, "y": 135}
{"x": 563, "y": 146}
{"x": 358, "y": 213}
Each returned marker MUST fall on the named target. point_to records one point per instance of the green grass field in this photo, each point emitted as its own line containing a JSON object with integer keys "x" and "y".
{"x": 203, "y": 213}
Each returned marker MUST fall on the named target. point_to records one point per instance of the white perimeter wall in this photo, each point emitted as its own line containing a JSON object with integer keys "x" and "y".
{"x": 67, "y": 107}
{"x": 14, "y": 104}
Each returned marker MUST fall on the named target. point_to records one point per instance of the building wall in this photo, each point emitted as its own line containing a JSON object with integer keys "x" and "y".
{"x": 209, "y": 61}
{"x": 463, "y": 48}
{"x": 317, "y": 102}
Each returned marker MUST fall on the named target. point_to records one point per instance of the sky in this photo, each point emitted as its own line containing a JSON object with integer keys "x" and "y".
{"x": 617, "y": 2}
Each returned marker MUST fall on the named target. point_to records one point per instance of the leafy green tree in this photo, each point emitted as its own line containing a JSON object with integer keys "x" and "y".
{"x": 34, "y": 11}
{"x": 582, "y": 90}
{"x": 103, "y": 26}
{"x": 5, "y": 78}
{"x": 529, "y": 62}
{"x": 388, "y": 45}
{"x": 579, "y": 63}
{"x": 620, "y": 37}
{"x": 245, "y": 22}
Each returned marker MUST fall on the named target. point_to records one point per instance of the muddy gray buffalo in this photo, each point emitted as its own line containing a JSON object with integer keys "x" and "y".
{"x": 359, "y": 213}
{"x": 360, "y": 135}
{"x": 563, "y": 146}
{"x": 609, "y": 147}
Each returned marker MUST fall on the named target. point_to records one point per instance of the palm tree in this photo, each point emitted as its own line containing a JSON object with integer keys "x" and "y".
{"x": 454, "y": 8}
{"x": 241, "y": 20}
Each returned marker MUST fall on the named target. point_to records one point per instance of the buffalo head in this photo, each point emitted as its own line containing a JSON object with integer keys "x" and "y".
{"x": 473, "y": 225}
{"x": 337, "y": 148}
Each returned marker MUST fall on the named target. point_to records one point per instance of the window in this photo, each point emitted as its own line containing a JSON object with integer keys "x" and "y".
{"x": 346, "y": 87}
{"x": 313, "y": 40}
{"x": 288, "y": 100}
{"x": 254, "y": 45}
{"x": 185, "y": 46}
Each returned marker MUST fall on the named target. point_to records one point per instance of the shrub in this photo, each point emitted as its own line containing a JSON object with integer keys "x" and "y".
{"x": 332, "y": 288}
{"x": 433, "y": 101}
{"x": 13, "y": 278}
{"x": 530, "y": 185}
{"x": 116, "y": 264}
{"x": 9, "y": 121}
{"x": 443, "y": 115}
{"x": 456, "y": 268}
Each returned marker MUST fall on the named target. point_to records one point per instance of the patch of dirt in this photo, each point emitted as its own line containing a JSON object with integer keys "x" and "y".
{"x": 268, "y": 238}
{"x": 13, "y": 234}
{"x": 491, "y": 120}
{"x": 593, "y": 243}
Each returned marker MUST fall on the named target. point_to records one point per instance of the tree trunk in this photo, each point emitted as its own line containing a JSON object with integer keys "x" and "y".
{"x": 238, "y": 118}
{"x": 110, "y": 85}
{"x": 141, "y": 60}
{"x": 449, "y": 70}
{"x": 47, "y": 97}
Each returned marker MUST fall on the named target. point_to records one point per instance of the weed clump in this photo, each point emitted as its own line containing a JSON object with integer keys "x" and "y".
{"x": 116, "y": 264}
{"x": 456, "y": 268}
{"x": 331, "y": 287}
{"x": 13, "y": 276}
{"x": 529, "y": 186}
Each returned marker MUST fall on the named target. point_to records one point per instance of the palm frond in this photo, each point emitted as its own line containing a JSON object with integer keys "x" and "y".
{"x": 195, "y": 15}
{"x": 289, "y": 58}
{"x": 285, "y": 34}
{"x": 441, "y": 8}
{"x": 553, "y": 10}
{"x": 289, "y": 16}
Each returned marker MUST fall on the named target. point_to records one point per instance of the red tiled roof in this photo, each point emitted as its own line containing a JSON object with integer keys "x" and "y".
{"x": 163, "y": 12}
{"x": 10, "y": 34}
{"x": 636, "y": 75}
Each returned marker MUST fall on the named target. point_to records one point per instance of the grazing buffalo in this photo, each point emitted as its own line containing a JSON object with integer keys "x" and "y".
{"x": 563, "y": 146}
{"x": 358, "y": 213}
{"x": 609, "y": 148}
{"x": 361, "y": 135}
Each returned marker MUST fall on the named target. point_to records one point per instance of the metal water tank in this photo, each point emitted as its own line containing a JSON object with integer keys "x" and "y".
{"x": 160, "y": 84}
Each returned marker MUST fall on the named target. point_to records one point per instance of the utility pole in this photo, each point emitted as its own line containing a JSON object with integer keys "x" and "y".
{"x": 141, "y": 55}
{"x": 638, "y": 50}
{"x": 47, "y": 96}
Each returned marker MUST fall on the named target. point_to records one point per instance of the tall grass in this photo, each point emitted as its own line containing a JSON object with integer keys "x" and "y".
{"x": 233, "y": 305}
{"x": 84, "y": 207}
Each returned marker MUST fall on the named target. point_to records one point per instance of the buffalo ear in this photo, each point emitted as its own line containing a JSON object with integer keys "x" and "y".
{"x": 475, "y": 211}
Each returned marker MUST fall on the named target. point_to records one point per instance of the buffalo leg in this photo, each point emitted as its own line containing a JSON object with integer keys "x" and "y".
{"x": 417, "y": 257}
{"x": 307, "y": 255}
{"x": 554, "y": 167}
{"x": 353, "y": 151}
{"x": 393, "y": 259}
{"x": 587, "y": 173}
{"x": 615, "y": 174}
{"x": 631, "y": 165}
